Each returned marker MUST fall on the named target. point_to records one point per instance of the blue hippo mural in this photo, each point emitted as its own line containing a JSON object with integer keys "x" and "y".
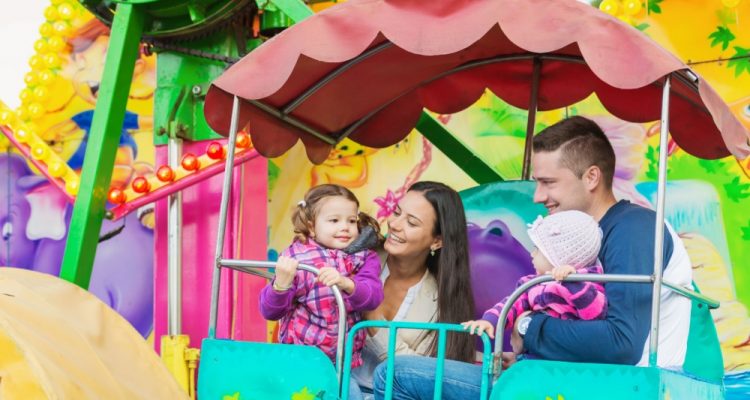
{"x": 34, "y": 217}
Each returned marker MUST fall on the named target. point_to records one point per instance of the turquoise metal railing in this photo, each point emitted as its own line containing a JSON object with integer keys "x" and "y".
{"x": 393, "y": 327}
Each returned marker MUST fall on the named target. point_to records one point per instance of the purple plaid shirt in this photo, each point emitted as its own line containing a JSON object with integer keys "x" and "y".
{"x": 308, "y": 313}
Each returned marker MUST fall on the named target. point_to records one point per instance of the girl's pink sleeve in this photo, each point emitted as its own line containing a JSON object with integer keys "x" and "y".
{"x": 368, "y": 290}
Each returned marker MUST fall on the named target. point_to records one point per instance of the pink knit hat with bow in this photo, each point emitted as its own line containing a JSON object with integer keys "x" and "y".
{"x": 567, "y": 238}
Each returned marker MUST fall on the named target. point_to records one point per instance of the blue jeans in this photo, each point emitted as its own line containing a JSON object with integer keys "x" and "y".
{"x": 414, "y": 379}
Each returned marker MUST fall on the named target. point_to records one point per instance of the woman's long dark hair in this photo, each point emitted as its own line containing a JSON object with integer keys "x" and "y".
{"x": 450, "y": 266}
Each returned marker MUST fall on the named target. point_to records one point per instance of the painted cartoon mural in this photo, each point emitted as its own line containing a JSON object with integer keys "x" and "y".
{"x": 57, "y": 106}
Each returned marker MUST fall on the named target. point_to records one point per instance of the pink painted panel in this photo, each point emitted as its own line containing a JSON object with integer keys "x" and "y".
{"x": 246, "y": 222}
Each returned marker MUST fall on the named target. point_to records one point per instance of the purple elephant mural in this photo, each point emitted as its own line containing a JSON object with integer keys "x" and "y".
{"x": 35, "y": 217}
{"x": 497, "y": 260}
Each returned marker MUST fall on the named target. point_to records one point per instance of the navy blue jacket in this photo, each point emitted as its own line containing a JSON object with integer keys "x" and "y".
{"x": 627, "y": 248}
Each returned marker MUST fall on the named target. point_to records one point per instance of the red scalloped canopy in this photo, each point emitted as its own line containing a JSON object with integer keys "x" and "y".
{"x": 367, "y": 68}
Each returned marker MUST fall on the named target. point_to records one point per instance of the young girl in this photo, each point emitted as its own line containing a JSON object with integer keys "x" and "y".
{"x": 332, "y": 235}
{"x": 566, "y": 242}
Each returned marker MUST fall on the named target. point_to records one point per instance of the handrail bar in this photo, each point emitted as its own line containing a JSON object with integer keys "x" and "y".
{"x": 499, "y": 329}
{"x": 442, "y": 329}
{"x": 249, "y": 266}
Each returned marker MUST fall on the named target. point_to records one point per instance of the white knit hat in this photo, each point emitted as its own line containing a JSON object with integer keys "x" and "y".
{"x": 567, "y": 238}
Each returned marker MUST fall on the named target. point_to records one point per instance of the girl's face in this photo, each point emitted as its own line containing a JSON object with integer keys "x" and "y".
{"x": 410, "y": 227}
{"x": 541, "y": 263}
{"x": 336, "y": 223}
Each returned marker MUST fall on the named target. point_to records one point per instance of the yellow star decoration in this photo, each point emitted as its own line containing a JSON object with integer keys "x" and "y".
{"x": 303, "y": 394}
{"x": 235, "y": 396}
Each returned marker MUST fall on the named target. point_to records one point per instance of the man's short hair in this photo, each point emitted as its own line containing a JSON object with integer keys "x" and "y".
{"x": 582, "y": 143}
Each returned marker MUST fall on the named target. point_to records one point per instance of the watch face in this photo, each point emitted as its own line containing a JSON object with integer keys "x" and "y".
{"x": 523, "y": 325}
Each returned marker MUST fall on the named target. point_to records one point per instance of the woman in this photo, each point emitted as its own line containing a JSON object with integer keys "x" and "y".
{"x": 426, "y": 271}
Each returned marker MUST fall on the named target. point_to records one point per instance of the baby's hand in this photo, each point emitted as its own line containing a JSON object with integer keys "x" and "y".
{"x": 560, "y": 273}
{"x": 479, "y": 326}
{"x": 286, "y": 268}
{"x": 331, "y": 276}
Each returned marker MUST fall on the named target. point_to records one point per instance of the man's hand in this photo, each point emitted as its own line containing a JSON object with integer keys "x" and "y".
{"x": 508, "y": 359}
{"x": 479, "y": 326}
{"x": 562, "y": 272}
{"x": 374, "y": 315}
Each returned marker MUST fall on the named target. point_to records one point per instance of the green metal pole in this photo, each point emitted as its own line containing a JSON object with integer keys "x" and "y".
{"x": 294, "y": 9}
{"x": 469, "y": 162}
{"x": 104, "y": 137}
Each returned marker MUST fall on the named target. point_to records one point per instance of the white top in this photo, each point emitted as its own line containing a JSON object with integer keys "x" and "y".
{"x": 420, "y": 300}
{"x": 674, "y": 315}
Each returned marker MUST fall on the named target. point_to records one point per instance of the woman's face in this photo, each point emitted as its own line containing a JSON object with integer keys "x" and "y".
{"x": 410, "y": 227}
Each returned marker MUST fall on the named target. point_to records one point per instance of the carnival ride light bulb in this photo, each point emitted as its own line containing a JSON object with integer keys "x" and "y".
{"x": 632, "y": 7}
{"x": 50, "y": 13}
{"x": 215, "y": 151}
{"x": 61, "y": 28}
{"x": 46, "y": 29}
{"x": 23, "y": 113}
{"x": 72, "y": 185}
{"x": 52, "y": 60}
{"x": 41, "y": 93}
{"x": 36, "y": 110}
{"x": 141, "y": 185}
{"x": 6, "y": 117}
{"x": 22, "y": 135}
{"x": 65, "y": 11}
{"x": 36, "y": 62}
{"x": 40, "y": 46}
{"x": 190, "y": 162}
{"x": 609, "y": 6}
{"x": 56, "y": 43}
{"x": 25, "y": 96}
{"x": 165, "y": 173}
{"x": 57, "y": 169}
{"x": 243, "y": 140}
{"x": 31, "y": 78}
{"x": 46, "y": 77}
{"x": 40, "y": 151}
{"x": 116, "y": 196}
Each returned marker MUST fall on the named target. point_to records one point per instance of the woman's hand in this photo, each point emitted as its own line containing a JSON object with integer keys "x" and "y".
{"x": 286, "y": 268}
{"x": 479, "y": 326}
{"x": 562, "y": 272}
{"x": 330, "y": 276}
{"x": 374, "y": 315}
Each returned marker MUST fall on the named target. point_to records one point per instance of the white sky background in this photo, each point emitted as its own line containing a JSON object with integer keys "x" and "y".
{"x": 19, "y": 28}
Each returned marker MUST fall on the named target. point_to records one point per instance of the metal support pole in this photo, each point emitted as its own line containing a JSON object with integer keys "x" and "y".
{"x": 531, "y": 119}
{"x": 174, "y": 267}
{"x": 223, "y": 211}
{"x": 106, "y": 128}
{"x": 653, "y": 345}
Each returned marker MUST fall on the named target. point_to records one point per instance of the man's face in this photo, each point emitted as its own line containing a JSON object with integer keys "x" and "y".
{"x": 557, "y": 187}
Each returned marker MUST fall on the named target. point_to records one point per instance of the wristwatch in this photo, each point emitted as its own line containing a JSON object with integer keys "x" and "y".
{"x": 523, "y": 325}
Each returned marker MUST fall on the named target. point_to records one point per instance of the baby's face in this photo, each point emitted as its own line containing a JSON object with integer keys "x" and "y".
{"x": 541, "y": 263}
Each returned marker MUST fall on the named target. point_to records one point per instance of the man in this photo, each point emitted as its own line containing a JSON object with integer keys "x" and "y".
{"x": 573, "y": 165}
